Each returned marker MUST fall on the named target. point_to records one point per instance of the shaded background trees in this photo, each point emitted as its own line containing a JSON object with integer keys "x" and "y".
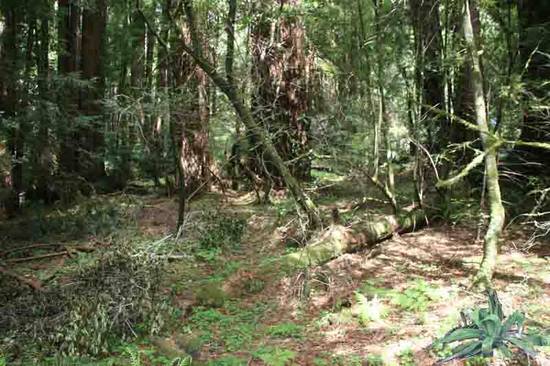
{"x": 97, "y": 96}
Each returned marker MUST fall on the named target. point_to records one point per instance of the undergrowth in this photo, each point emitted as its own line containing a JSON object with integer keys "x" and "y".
{"x": 97, "y": 216}
{"x": 112, "y": 300}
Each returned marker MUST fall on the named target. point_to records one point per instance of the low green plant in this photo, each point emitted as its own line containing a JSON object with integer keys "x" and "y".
{"x": 406, "y": 358}
{"x": 372, "y": 288}
{"x": 477, "y": 361}
{"x": 375, "y": 360}
{"x": 208, "y": 254}
{"x": 254, "y": 285}
{"x": 232, "y": 327}
{"x": 458, "y": 210}
{"x": 228, "y": 361}
{"x": 203, "y": 317}
{"x": 369, "y": 310}
{"x": 285, "y": 330}
{"x": 211, "y": 294}
{"x": 485, "y": 330}
{"x": 134, "y": 354}
{"x": 238, "y": 336}
{"x": 221, "y": 231}
{"x": 415, "y": 298}
{"x": 319, "y": 361}
{"x": 275, "y": 356}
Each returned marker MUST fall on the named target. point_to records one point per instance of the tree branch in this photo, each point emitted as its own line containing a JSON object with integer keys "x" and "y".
{"x": 463, "y": 173}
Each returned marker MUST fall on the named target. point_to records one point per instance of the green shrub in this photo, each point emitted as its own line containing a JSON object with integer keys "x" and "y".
{"x": 221, "y": 231}
{"x": 415, "y": 298}
{"x": 375, "y": 360}
{"x": 228, "y": 361}
{"x": 406, "y": 358}
{"x": 486, "y": 330}
{"x": 275, "y": 356}
{"x": 285, "y": 330}
{"x": 369, "y": 310}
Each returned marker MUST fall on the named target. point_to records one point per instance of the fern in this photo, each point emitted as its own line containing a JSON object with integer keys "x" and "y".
{"x": 369, "y": 310}
{"x": 134, "y": 354}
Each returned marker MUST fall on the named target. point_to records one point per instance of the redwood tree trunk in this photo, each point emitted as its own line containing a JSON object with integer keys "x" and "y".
{"x": 68, "y": 47}
{"x": 280, "y": 101}
{"x": 192, "y": 116}
{"x": 44, "y": 154}
{"x": 9, "y": 101}
{"x": 94, "y": 20}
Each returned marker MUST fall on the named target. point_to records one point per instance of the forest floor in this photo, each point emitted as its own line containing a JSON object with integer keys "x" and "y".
{"x": 382, "y": 307}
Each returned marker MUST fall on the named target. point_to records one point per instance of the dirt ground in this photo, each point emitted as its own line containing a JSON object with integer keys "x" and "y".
{"x": 444, "y": 257}
{"x": 345, "y": 312}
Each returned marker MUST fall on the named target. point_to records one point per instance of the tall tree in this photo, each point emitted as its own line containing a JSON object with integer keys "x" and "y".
{"x": 94, "y": 20}
{"x": 43, "y": 154}
{"x": 280, "y": 71}
{"x": 490, "y": 147}
{"x": 247, "y": 118}
{"x": 10, "y": 69}
{"x": 67, "y": 64}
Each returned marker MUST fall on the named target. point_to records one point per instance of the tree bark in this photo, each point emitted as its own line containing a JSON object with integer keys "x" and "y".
{"x": 44, "y": 154}
{"x": 497, "y": 214}
{"x": 338, "y": 240}
{"x": 67, "y": 55}
{"x": 94, "y": 21}
{"x": 280, "y": 103}
{"x": 9, "y": 101}
{"x": 246, "y": 117}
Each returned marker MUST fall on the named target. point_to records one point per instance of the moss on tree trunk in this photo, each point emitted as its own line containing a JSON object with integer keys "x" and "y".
{"x": 497, "y": 214}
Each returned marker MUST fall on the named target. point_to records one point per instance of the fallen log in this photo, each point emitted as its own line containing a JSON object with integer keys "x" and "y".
{"x": 32, "y": 283}
{"x": 338, "y": 240}
{"x": 28, "y": 247}
{"x": 68, "y": 251}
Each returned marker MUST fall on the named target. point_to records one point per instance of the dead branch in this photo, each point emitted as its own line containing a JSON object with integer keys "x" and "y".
{"x": 68, "y": 251}
{"x": 31, "y": 282}
{"x": 27, "y": 247}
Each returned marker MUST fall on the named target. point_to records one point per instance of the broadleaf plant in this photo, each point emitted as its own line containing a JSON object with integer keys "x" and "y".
{"x": 486, "y": 330}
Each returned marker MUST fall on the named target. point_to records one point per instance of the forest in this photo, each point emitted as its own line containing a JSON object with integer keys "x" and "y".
{"x": 274, "y": 182}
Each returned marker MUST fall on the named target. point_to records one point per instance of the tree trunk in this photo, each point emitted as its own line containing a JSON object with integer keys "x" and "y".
{"x": 463, "y": 99}
{"x": 9, "y": 102}
{"x": 280, "y": 102}
{"x": 246, "y": 117}
{"x": 338, "y": 240}
{"x": 94, "y": 21}
{"x": 67, "y": 53}
{"x": 497, "y": 214}
{"x": 192, "y": 116}
{"x": 43, "y": 156}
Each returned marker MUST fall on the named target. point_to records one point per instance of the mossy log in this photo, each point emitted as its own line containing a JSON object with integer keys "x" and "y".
{"x": 338, "y": 240}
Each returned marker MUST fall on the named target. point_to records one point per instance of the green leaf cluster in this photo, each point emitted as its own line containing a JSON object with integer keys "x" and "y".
{"x": 486, "y": 330}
